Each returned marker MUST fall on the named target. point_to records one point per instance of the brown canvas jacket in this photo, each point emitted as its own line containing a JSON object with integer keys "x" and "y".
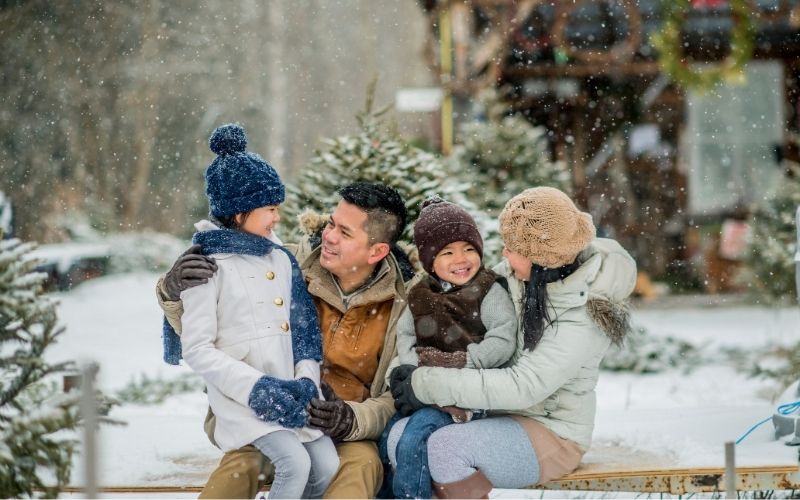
{"x": 365, "y": 317}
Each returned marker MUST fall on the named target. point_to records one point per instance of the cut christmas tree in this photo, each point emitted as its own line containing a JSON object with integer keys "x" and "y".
{"x": 377, "y": 154}
{"x": 774, "y": 243}
{"x": 504, "y": 155}
{"x": 35, "y": 455}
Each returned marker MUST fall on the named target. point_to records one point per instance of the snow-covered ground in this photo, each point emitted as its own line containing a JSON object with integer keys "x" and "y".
{"x": 669, "y": 419}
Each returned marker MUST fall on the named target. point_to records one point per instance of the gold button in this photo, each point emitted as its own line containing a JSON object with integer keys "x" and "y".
{"x": 270, "y": 275}
{"x": 285, "y": 326}
{"x": 278, "y": 301}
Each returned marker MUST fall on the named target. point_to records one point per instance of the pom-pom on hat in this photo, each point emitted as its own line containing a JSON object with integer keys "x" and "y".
{"x": 544, "y": 225}
{"x": 238, "y": 181}
{"x": 439, "y": 224}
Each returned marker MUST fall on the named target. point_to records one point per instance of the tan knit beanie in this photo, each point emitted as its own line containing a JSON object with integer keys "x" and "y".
{"x": 544, "y": 225}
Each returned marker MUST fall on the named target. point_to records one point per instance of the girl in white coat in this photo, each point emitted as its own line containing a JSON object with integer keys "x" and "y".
{"x": 252, "y": 331}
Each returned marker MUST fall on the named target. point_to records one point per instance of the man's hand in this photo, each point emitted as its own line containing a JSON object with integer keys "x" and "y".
{"x": 431, "y": 356}
{"x": 405, "y": 402}
{"x": 334, "y": 417}
{"x": 191, "y": 269}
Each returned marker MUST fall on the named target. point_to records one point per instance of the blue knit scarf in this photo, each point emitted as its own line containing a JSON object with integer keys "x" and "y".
{"x": 306, "y": 334}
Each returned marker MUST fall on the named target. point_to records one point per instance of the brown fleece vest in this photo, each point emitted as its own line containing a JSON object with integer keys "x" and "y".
{"x": 451, "y": 320}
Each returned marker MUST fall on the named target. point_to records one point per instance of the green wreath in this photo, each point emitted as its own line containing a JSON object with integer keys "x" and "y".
{"x": 668, "y": 43}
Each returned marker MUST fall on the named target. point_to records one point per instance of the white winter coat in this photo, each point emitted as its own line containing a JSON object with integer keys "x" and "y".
{"x": 235, "y": 330}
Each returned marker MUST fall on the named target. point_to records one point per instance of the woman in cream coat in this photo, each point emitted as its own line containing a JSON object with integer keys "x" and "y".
{"x": 568, "y": 289}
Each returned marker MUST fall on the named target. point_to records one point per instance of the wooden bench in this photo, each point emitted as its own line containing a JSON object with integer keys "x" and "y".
{"x": 592, "y": 478}
{"x": 677, "y": 481}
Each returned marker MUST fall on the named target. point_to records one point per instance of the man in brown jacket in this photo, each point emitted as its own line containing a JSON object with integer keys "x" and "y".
{"x": 358, "y": 285}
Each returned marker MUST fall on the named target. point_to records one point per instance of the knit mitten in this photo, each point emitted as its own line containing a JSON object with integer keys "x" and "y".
{"x": 304, "y": 390}
{"x": 273, "y": 400}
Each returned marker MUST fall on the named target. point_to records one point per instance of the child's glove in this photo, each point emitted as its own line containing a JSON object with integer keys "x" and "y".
{"x": 431, "y": 356}
{"x": 274, "y": 400}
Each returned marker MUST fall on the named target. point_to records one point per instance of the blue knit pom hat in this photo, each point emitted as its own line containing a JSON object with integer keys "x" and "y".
{"x": 238, "y": 181}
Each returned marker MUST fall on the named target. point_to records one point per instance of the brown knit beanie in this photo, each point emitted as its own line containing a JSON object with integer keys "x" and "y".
{"x": 439, "y": 224}
{"x": 544, "y": 225}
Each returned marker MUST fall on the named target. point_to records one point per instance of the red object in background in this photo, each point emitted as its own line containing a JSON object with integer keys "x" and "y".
{"x": 734, "y": 239}
{"x": 708, "y": 4}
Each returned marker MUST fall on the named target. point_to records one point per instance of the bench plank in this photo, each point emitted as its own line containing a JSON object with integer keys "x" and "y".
{"x": 677, "y": 481}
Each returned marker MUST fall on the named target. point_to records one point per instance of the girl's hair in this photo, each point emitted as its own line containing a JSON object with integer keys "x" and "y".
{"x": 229, "y": 221}
{"x": 534, "y": 313}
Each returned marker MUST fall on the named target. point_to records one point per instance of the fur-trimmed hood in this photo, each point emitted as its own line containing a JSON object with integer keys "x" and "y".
{"x": 603, "y": 282}
{"x": 609, "y": 286}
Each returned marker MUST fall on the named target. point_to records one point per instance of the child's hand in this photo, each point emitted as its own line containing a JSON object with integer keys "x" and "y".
{"x": 459, "y": 415}
{"x": 431, "y": 356}
{"x": 273, "y": 400}
{"x": 303, "y": 390}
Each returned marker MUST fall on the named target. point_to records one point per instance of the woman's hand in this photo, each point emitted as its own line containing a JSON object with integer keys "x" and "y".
{"x": 405, "y": 402}
{"x": 399, "y": 374}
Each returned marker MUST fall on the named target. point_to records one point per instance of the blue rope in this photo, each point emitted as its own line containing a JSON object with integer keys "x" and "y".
{"x": 784, "y": 409}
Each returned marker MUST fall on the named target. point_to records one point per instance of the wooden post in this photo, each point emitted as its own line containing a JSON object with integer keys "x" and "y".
{"x": 446, "y": 65}
{"x": 797, "y": 256}
{"x": 71, "y": 381}
{"x": 730, "y": 470}
{"x": 88, "y": 407}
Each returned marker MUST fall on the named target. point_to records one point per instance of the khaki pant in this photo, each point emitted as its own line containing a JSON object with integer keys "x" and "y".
{"x": 242, "y": 473}
{"x": 360, "y": 472}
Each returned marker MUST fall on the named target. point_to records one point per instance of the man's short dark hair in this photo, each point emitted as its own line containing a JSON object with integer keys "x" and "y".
{"x": 386, "y": 212}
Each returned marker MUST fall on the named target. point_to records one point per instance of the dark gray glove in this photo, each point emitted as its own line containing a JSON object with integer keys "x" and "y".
{"x": 191, "y": 269}
{"x": 405, "y": 401}
{"x": 334, "y": 417}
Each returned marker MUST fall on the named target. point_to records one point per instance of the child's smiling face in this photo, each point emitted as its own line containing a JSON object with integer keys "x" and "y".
{"x": 260, "y": 221}
{"x": 457, "y": 263}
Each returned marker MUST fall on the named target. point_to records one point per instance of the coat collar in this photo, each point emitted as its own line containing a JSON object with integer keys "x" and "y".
{"x": 384, "y": 285}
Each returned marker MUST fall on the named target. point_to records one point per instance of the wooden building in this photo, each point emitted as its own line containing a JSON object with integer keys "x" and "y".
{"x": 656, "y": 162}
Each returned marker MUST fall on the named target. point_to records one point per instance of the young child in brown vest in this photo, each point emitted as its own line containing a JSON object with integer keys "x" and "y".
{"x": 459, "y": 315}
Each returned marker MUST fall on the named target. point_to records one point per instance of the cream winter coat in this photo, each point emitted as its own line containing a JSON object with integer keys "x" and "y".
{"x": 555, "y": 382}
{"x": 235, "y": 329}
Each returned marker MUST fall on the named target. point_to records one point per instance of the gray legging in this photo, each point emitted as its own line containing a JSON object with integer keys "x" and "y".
{"x": 302, "y": 470}
{"x": 497, "y": 446}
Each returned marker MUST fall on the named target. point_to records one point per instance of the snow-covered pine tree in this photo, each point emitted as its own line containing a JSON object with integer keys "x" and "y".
{"x": 773, "y": 243}
{"x": 35, "y": 456}
{"x": 375, "y": 153}
{"x": 504, "y": 155}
